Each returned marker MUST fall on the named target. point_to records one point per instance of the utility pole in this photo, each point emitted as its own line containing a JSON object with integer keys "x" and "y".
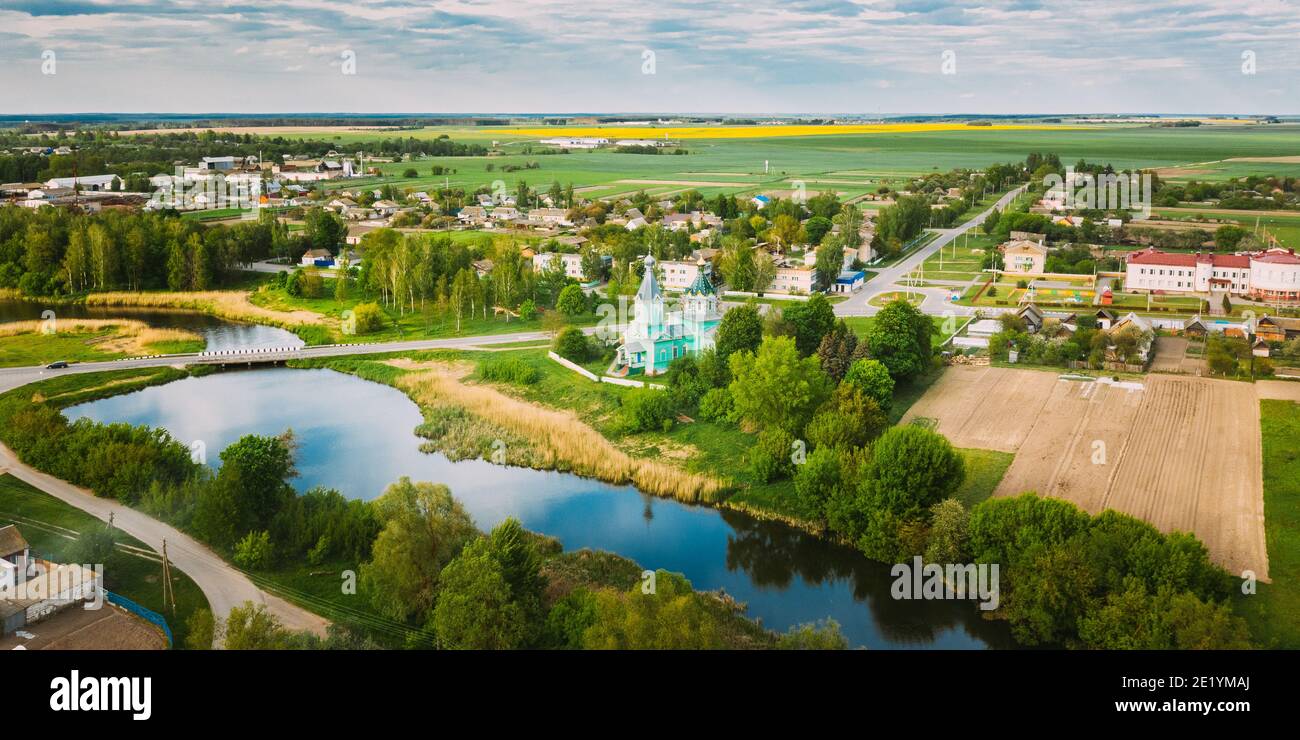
{"x": 169, "y": 593}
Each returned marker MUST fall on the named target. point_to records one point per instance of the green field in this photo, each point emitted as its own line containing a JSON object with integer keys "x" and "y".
{"x": 1274, "y": 612}
{"x": 1285, "y": 228}
{"x": 851, "y": 164}
{"x": 22, "y": 350}
{"x": 48, "y": 525}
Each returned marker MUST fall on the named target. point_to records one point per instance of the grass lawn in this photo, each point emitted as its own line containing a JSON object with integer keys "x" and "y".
{"x": 1274, "y": 612}
{"x": 423, "y": 323}
{"x": 861, "y": 324}
{"x": 884, "y": 299}
{"x": 21, "y": 350}
{"x": 45, "y": 521}
{"x": 984, "y": 471}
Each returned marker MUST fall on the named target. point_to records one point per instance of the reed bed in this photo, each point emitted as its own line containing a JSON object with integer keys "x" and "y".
{"x": 560, "y": 440}
{"x": 130, "y": 336}
{"x": 227, "y": 304}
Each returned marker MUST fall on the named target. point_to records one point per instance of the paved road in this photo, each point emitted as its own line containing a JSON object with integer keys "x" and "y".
{"x": 885, "y": 279}
{"x": 13, "y": 377}
{"x": 223, "y": 586}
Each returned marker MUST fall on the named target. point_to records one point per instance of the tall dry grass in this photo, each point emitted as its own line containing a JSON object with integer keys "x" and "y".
{"x": 561, "y": 439}
{"x": 129, "y": 336}
{"x": 227, "y": 304}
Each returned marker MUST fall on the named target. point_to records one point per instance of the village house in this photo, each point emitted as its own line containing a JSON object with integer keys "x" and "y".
{"x": 549, "y": 217}
{"x": 849, "y": 281}
{"x": 575, "y": 142}
{"x": 32, "y": 589}
{"x": 572, "y": 263}
{"x": 385, "y": 208}
{"x": 1276, "y": 328}
{"x": 473, "y": 215}
{"x": 317, "y": 258}
{"x": 503, "y": 215}
{"x": 1024, "y": 257}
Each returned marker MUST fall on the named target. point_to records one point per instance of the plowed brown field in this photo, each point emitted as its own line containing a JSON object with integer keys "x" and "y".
{"x": 1181, "y": 453}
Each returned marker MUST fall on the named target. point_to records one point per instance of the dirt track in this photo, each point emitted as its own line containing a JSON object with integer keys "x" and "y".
{"x": 1181, "y": 453}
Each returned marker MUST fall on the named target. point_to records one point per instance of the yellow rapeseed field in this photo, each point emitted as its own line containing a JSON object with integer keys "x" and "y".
{"x": 762, "y": 132}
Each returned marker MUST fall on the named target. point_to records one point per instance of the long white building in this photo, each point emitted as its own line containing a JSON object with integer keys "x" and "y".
{"x": 1272, "y": 275}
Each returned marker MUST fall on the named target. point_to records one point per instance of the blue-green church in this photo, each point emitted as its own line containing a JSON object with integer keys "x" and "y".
{"x": 655, "y": 336}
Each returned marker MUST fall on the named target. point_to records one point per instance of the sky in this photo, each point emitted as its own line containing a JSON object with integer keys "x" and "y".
{"x": 668, "y": 56}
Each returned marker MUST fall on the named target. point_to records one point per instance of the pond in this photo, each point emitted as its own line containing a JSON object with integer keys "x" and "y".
{"x": 220, "y": 334}
{"x": 357, "y": 437}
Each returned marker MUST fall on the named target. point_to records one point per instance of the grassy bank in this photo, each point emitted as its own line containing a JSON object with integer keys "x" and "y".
{"x": 52, "y": 528}
{"x": 1274, "y": 612}
{"x": 24, "y": 343}
{"x": 425, "y": 322}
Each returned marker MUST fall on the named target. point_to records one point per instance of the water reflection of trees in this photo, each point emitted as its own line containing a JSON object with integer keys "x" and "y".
{"x": 773, "y": 555}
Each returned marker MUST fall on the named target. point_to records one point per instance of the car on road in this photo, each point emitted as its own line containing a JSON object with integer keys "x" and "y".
{"x": 57, "y": 365}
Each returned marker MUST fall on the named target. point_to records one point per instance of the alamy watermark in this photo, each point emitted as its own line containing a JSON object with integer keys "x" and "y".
{"x": 954, "y": 581}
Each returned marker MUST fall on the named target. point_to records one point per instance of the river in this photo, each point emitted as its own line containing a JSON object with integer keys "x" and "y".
{"x": 357, "y": 437}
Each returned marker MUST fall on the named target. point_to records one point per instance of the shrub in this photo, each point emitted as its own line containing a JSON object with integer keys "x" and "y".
{"x": 572, "y": 301}
{"x": 317, "y": 554}
{"x": 254, "y": 551}
{"x": 572, "y": 345}
{"x": 312, "y": 285}
{"x": 527, "y": 310}
{"x": 367, "y": 318}
{"x": 771, "y": 456}
{"x": 511, "y": 370}
{"x": 645, "y": 409}
{"x": 717, "y": 405}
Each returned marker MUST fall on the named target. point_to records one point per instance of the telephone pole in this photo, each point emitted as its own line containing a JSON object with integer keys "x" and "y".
{"x": 169, "y": 593}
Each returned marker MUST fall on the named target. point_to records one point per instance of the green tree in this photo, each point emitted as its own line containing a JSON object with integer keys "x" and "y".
{"x": 424, "y": 527}
{"x": 825, "y": 636}
{"x": 368, "y": 318}
{"x": 776, "y": 387}
{"x": 474, "y": 610}
{"x": 829, "y": 263}
{"x": 949, "y": 533}
{"x": 572, "y": 301}
{"x": 741, "y": 329}
{"x": 252, "y": 627}
{"x": 572, "y": 345}
{"x": 254, "y": 551}
{"x": 850, "y": 419}
{"x": 874, "y": 379}
{"x": 900, "y": 339}
{"x": 835, "y": 352}
{"x": 248, "y": 491}
{"x": 821, "y": 478}
{"x": 324, "y": 229}
{"x": 811, "y": 320}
